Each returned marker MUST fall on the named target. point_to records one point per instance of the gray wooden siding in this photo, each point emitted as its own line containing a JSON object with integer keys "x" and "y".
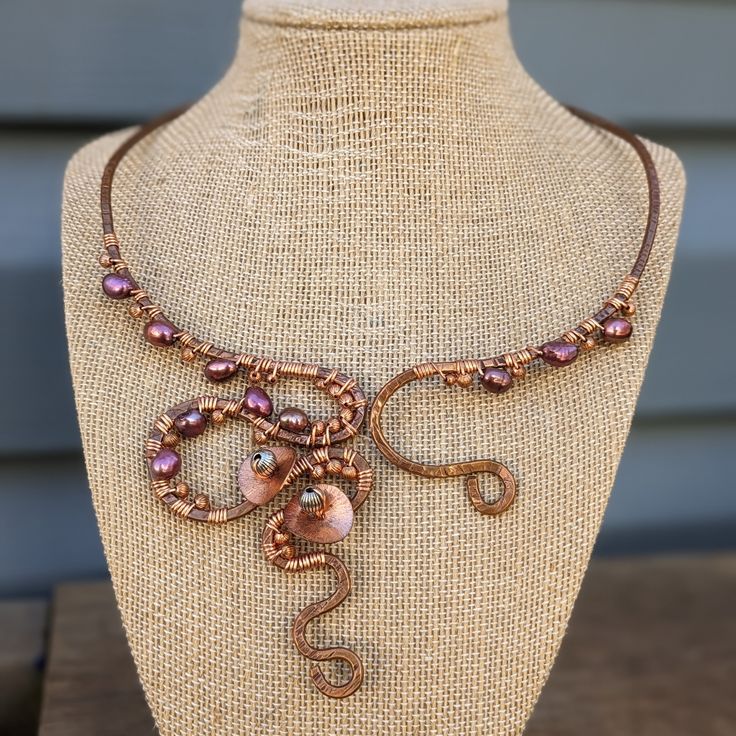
{"x": 69, "y": 70}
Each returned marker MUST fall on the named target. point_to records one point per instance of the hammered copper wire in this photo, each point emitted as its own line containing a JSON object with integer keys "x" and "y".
{"x": 516, "y": 361}
{"x": 311, "y": 561}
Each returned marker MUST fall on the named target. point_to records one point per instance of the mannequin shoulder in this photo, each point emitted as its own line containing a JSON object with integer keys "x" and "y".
{"x": 84, "y": 169}
{"x": 672, "y": 175}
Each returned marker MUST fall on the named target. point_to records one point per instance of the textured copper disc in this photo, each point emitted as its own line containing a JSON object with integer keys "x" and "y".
{"x": 334, "y": 525}
{"x": 258, "y": 488}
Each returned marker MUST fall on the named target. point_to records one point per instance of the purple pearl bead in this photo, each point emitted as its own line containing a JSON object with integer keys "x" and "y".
{"x": 165, "y": 464}
{"x": 496, "y": 380}
{"x": 220, "y": 369}
{"x": 617, "y": 329}
{"x": 559, "y": 353}
{"x": 257, "y": 401}
{"x": 293, "y": 419}
{"x": 116, "y": 286}
{"x": 191, "y": 423}
{"x": 159, "y": 334}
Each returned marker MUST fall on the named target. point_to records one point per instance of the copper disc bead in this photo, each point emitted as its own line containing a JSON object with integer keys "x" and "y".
{"x": 258, "y": 402}
{"x": 264, "y": 473}
{"x": 559, "y": 353}
{"x": 496, "y": 380}
{"x": 617, "y": 329}
{"x": 220, "y": 369}
{"x": 160, "y": 334}
{"x": 333, "y": 523}
{"x": 293, "y": 419}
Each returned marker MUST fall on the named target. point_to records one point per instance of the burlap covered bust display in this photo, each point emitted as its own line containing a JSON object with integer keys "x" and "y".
{"x": 370, "y": 186}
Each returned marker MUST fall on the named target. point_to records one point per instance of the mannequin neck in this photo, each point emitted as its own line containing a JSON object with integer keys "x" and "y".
{"x": 263, "y": 22}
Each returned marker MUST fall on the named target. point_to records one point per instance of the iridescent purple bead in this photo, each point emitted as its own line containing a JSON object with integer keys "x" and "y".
{"x": 257, "y": 401}
{"x": 220, "y": 369}
{"x": 293, "y": 419}
{"x": 191, "y": 423}
{"x": 160, "y": 334}
{"x": 116, "y": 286}
{"x": 617, "y": 329}
{"x": 559, "y": 353}
{"x": 496, "y": 380}
{"x": 165, "y": 464}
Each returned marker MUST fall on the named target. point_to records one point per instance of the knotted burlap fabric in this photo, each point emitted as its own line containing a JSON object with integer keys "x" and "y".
{"x": 365, "y": 190}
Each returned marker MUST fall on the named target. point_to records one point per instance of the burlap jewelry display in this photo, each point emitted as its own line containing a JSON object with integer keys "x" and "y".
{"x": 366, "y": 188}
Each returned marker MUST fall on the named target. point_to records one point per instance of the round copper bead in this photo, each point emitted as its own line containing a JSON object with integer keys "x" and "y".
{"x": 116, "y": 286}
{"x": 559, "y": 353}
{"x": 191, "y": 423}
{"x": 258, "y": 402}
{"x": 220, "y": 369}
{"x": 617, "y": 329}
{"x": 465, "y": 380}
{"x": 496, "y": 380}
{"x": 293, "y": 419}
{"x": 160, "y": 334}
{"x": 165, "y": 464}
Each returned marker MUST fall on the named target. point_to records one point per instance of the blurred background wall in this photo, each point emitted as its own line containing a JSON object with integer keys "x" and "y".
{"x": 74, "y": 69}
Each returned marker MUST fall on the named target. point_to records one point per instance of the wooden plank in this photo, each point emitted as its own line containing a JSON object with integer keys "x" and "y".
{"x": 651, "y": 649}
{"x": 91, "y": 688}
{"x": 104, "y": 59}
{"x": 110, "y": 60}
{"x": 23, "y": 623}
{"x": 642, "y": 62}
{"x": 674, "y": 476}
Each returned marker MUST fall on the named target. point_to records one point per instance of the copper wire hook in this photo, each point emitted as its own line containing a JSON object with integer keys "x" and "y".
{"x": 452, "y": 470}
{"x": 313, "y": 561}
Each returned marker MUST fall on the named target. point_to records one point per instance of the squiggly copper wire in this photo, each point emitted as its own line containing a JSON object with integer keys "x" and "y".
{"x": 451, "y": 470}
{"x": 312, "y": 561}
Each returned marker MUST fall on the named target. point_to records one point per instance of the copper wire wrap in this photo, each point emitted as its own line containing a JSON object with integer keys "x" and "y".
{"x": 273, "y": 552}
{"x": 516, "y": 361}
{"x": 164, "y": 490}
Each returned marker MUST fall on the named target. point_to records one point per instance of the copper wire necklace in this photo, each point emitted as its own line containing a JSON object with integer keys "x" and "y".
{"x": 321, "y": 512}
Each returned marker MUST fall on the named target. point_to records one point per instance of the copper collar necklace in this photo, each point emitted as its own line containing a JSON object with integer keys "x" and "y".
{"x": 320, "y": 512}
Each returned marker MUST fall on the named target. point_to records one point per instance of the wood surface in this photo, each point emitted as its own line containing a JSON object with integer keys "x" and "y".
{"x": 23, "y": 626}
{"x": 651, "y": 651}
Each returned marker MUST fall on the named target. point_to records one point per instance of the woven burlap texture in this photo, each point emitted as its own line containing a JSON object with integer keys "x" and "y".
{"x": 366, "y": 193}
